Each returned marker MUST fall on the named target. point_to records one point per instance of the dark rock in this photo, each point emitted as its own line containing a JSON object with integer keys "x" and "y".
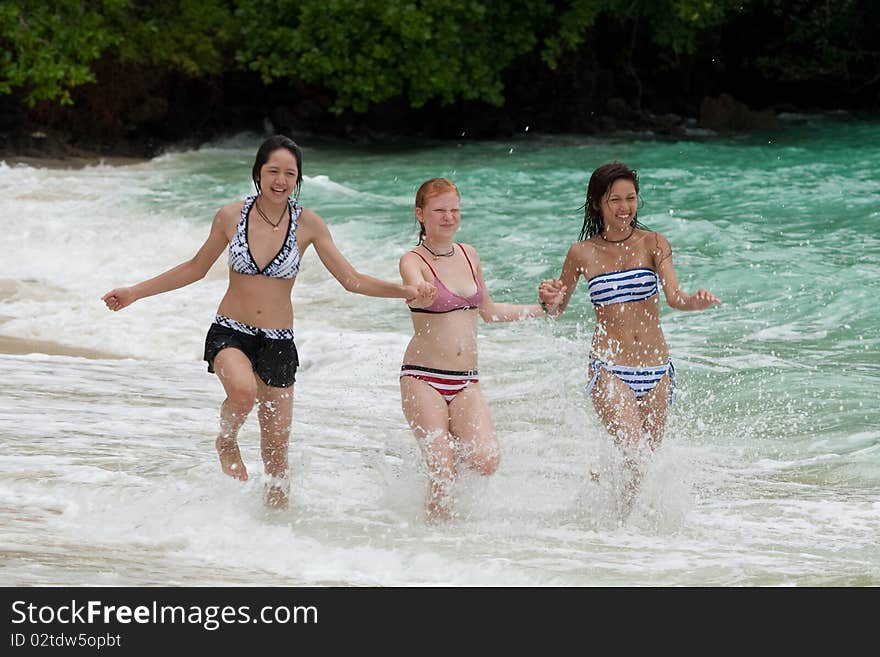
{"x": 726, "y": 114}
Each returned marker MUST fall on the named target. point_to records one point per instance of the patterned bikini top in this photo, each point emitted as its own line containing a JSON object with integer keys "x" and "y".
{"x": 285, "y": 264}
{"x": 623, "y": 286}
{"x": 447, "y": 300}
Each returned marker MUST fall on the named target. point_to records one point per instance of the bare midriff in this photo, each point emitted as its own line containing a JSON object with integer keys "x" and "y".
{"x": 258, "y": 300}
{"x": 446, "y": 341}
{"x": 630, "y": 334}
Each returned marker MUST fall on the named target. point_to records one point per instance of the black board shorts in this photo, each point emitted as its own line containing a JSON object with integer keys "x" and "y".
{"x": 274, "y": 360}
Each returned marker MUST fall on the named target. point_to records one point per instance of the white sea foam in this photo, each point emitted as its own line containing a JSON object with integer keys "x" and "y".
{"x": 767, "y": 475}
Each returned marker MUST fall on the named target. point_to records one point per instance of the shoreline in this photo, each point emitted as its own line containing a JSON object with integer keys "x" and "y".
{"x": 70, "y": 162}
{"x": 12, "y": 346}
{"x": 724, "y": 115}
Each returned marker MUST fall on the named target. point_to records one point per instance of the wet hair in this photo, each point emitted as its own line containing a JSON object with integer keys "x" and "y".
{"x": 266, "y": 149}
{"x": 429, "y": 188}
{"x": 600, "y": 183}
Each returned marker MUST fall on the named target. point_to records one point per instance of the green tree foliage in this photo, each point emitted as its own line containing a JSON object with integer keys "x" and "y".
{"x": 192, "y": 36}
{"x": 365, "y": 52}
{"x": 572, "y": 25}
{"x": 679, "y": 25}
{"x": 675, "y": 25}
{"x": 369, "y": 51}
{"x": 48, "y": 47}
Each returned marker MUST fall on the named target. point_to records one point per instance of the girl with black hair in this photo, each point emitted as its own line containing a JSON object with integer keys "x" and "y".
{"x": 250, "y": 344}
{"x": 631, "y": 377}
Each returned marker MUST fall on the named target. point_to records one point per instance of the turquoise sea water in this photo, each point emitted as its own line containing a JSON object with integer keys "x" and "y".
{"x": 769, "y": 473}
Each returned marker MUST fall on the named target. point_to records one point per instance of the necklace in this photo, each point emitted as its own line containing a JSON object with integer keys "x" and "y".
{"x": 437, "y": 256}
{"x": 274, "y": 224}
{"x": 632, "y": 230}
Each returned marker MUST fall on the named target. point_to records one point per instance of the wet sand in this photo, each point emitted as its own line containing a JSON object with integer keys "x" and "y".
{"x": 9, "y": 289}
{"x": 18, "y": 346}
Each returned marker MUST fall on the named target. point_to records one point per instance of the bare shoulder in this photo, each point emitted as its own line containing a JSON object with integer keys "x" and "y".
{"x": 657, "y": 242}
{"x": 583, "y": 246}
{"x": 308, "y": 215}
{"x": 231, "y": 212}
{"x": 582, "y": 251}
{"x": 656, "y": 237}
{"x": 410, "y": 256}
{"x": 470, "y": 251}
{"x": 227, "y": 218}
{"x": 579, "y": 256}
{"x": 657, "y": 248}
{"x": 310, "y": 226}
{"x": 310, "y": 219}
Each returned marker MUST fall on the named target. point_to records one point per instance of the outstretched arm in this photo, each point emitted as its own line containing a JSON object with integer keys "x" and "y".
{"x": 183, "y": 274}
{"x": 350, "y": 278}
{"x": 492, "y": 311}
{"x": 675, "y": 296}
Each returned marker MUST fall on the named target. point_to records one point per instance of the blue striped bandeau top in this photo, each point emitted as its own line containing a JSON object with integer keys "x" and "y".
{"x": 622, "y": 286}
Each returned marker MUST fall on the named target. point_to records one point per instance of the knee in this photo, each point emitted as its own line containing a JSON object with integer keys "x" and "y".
{"x": 441, "y": 467}
{"x": 625, "y": 434}
{"x": 628, "y": 441}
{"x": 489, "y": 464}
{"x": 440, "y": 458}
{"x": 487, "y": 460}
{"x": 241, "y": 398}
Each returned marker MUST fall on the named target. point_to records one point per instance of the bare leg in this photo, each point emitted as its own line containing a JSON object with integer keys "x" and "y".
{"x": 276, "y": 417}
{"x": 428, "y": 416}
{"x": 237, "y": 376}
{"x": 618, "y": 409}
{"x": 655, "y": 408}
{"x": 471, "y": 423}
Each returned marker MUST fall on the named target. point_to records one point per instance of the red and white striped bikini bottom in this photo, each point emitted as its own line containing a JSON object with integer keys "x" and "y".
{"x": 447, "y": 382}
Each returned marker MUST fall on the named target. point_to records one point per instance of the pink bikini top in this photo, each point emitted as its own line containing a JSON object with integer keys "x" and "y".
{"x": 446, "y": 300}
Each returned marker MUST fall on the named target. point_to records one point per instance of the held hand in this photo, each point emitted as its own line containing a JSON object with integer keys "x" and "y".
{"x": 551, "y": 293}
{"x": 421, "y": 295}
{"x": 554, "y": 284}
{"x": 703, "y": 299}
{"x": 119, "y": 298}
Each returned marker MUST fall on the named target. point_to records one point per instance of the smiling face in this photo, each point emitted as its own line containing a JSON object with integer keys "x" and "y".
{"x": 440, "y": 216}
{"x": 277, "y": 156}
{"x": 279, "y": 175}
{"x": 609, "y": 186}
{"x": 619, "y": 204}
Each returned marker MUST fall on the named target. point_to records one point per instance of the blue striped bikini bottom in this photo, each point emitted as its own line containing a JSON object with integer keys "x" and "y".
{"x": 641, "y": 380}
